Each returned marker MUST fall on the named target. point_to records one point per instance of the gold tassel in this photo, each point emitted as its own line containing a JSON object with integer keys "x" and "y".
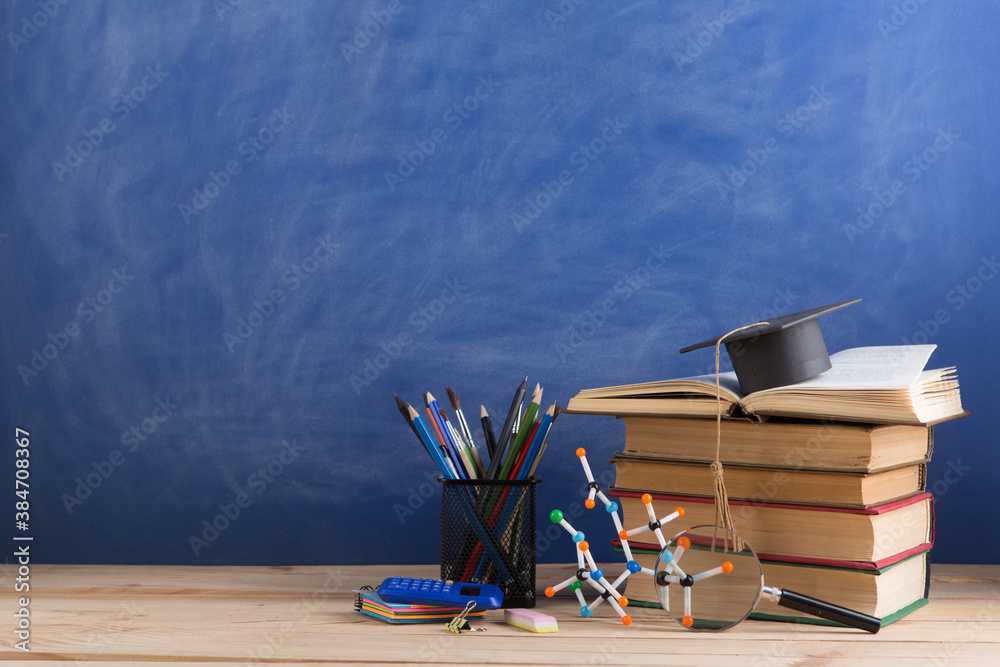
{"x": 723, "y": 516}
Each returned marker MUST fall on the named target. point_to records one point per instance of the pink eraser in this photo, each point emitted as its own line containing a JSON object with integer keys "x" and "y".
{"x": 530, "y": 620}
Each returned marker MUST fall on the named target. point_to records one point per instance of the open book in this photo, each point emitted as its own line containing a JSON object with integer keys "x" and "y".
{"x": 886, "y": 384}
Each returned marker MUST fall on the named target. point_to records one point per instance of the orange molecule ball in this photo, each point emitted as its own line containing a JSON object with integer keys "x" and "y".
{"x": 623, "y": 601}
{"x": 549, "y": 592}
{"x": 627, "y": 620}
{"x": 680, "y": 511}
{"x": 646, "y": 499}
{"x": 684, "y": 542}
{"x": 581, "y": 452}
{"x": 687, "y": 621}
{"x": 727, "y": 567}
{"x": 623, "y": 534}
{"x": 589, "y": 503}
{"x": 584, "y": 545}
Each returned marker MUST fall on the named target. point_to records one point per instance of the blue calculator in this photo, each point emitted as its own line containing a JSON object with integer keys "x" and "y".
{"x": 415, "y": 590}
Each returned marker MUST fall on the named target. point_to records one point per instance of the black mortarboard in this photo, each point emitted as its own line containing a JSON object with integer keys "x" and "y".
{"x": 787, "y": 349}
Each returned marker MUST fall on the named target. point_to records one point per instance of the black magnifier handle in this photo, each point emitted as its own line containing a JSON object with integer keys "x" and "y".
{"x": 831, "y": 612}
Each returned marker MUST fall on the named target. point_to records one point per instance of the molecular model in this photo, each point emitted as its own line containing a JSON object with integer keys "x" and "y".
{"x": 588, "y": 570}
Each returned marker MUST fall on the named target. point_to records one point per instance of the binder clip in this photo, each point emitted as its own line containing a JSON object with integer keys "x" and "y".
{"x": 460, "y": 623}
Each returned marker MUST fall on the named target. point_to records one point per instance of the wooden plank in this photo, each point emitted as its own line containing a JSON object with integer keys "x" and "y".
{"x": 304, "y": 615}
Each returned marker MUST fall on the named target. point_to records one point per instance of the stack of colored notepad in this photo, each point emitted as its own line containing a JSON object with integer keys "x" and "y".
{"x": 828, "y": 488}
{"x": 369, "y": 603}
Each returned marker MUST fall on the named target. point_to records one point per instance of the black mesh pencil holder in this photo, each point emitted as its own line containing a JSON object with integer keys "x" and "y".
{"x": 488, "y": 535}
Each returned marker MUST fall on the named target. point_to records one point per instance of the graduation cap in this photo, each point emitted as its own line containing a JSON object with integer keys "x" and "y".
{"x": 787, "y": 349}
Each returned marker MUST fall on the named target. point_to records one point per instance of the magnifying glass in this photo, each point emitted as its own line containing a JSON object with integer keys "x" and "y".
{"x": 711, "y": 589}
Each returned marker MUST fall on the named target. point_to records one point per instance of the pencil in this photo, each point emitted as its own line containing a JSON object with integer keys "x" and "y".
{"x": 434, "y": 412}
{"x": 402, "y": 405}
{"x": 484, "y": 418}
{"x": 496, "y": 461}
{"x": 534, "y": 447}
{"x": 467, "y": 459}
{"x": 541, "y": 453}
{"x": 518, "y": 443}
{"x": 428, "y": 440}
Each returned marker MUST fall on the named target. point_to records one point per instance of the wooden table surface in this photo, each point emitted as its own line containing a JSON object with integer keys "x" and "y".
{"x": 90, "y": 615}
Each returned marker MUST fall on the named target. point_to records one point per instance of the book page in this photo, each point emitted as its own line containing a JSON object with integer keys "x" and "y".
{"x": 699, "y": 384}
{"x": 878, "y": 367}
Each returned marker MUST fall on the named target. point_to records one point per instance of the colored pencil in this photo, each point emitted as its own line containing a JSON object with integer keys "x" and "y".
{"x": 521, "y": 455}
{"x": 434, "y": 410}
{"x": 541, "y": 453}
{"x": 467, "y": 459}
{"x": 402, "y": 405}
{"x": 428, "y": 441}
{"x": 484, "y": 419}
{"x": 496, "y": 461}
{"x": 535, "y": 446}
{"x": 518, "y": 443}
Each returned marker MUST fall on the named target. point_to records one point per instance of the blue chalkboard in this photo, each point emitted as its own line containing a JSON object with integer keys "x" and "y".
{"x": 230, "y": 230}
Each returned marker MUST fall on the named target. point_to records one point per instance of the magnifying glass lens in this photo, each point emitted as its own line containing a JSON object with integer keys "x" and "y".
{"x": 704, "y": 588}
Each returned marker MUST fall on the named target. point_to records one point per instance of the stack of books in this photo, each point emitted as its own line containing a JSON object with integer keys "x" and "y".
{"x": 826, "y": 477}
